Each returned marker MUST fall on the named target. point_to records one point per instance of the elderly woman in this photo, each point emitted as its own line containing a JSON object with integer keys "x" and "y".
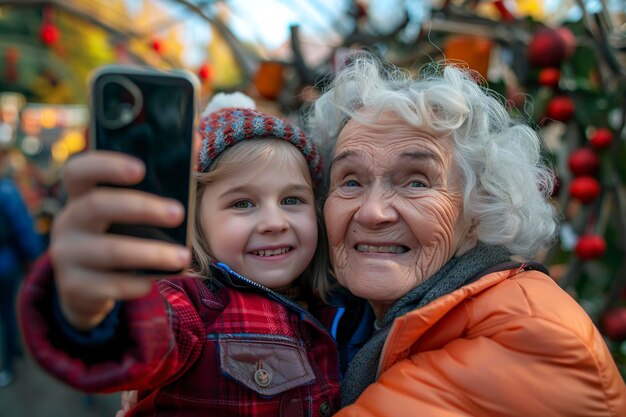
{"x": 436, "y": 205}
{"x": 434, "y": 190}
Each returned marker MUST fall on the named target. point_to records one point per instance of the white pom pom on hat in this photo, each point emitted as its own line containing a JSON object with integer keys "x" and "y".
{"x": 229, "y": 100}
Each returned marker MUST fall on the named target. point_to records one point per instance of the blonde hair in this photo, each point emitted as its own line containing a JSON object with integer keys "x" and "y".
{"x": 228, "y": 163}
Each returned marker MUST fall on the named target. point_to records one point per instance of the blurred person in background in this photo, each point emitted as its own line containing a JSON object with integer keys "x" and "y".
{"x": 20, "y": 244}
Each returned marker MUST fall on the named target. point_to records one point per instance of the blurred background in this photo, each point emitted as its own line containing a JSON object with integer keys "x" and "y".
{"x": 559, "y": 64}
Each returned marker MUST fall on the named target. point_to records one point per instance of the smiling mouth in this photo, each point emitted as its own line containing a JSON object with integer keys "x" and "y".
{"x": 271, "y": 252}
{"x": 382, "y": 249}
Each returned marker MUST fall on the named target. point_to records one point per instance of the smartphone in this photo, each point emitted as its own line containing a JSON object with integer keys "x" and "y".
{"x": 150, "y": 114}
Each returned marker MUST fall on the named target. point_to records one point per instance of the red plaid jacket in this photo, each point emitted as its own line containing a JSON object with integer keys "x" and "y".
{"x": 192, "y": 350}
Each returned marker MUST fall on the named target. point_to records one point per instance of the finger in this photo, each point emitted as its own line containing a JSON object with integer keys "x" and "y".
{"x": 87, "y": 296}
{"x": 82, "y": 289}
{"x": 124, "y": 399}
{"x": 129, "y": 399}
{"x": 111, "y": 252}
{"x": 99, "y": 208}
{"x": 86, "y": 171}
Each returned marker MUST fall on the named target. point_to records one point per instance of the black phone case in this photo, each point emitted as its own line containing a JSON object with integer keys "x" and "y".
{"x": 149, "y": 114}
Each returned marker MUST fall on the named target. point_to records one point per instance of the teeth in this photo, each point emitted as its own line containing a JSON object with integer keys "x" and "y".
{"x": 381, "y": 249}
{"x": 270, "y": 252}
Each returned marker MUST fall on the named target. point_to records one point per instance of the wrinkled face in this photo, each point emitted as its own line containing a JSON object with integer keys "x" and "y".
{"x": 394, "y": 209}
{"x": 261, "y": 222}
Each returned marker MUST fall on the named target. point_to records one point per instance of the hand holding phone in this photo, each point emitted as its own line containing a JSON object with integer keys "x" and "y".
{"x": 93, "y": 269}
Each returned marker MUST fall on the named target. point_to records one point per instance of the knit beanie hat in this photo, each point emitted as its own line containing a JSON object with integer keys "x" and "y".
{"x": 231, "y": 118}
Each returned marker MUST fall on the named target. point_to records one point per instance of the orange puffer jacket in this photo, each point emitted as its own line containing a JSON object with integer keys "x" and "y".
{"x": 512, "y": 343}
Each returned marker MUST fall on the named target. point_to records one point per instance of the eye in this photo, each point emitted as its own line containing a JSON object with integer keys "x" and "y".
{"x": 416, "y": 184}
{"x": 242, "y": 204}
{"x": 352, "y": 183}
{"x": 291, "y": 201}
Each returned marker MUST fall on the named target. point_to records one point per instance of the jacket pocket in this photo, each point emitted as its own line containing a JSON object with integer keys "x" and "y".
{"x": 266, "y": 364}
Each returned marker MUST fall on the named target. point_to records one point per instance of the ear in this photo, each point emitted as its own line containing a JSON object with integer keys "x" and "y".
{"x": 469, "y": 238}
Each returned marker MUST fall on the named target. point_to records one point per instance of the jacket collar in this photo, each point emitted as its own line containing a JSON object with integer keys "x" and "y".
{"x": 409, "y": 328}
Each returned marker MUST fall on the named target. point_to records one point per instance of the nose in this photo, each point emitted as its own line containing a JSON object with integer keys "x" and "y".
{"x": 272, "y": 219}
{"x": 377, "y": 207}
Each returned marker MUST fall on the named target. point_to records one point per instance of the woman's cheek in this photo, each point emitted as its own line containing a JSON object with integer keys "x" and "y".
{"x": 335, "y": 220}
{"x": 336, "y": 225}
{"x": 338, "y": 261}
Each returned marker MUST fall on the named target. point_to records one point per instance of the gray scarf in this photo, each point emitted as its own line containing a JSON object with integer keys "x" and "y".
{"x": 453, "y": 275}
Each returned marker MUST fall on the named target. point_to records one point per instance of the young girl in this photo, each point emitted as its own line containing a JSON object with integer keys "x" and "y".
{"x": 242, "y": 343}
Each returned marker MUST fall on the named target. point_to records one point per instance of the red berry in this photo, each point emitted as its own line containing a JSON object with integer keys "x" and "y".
{"x": 590, "y": 247}
{"x": 585, "y": 189}
{"x": 157, "y": 45}
{"x": 614, "y": 323}
{"x": 601, "y": 138}
{"x": 549, "y": 77}
{"x": 583, "y": 161}
{"x": 205, "y": 72}
{"x": 49, "y": 33}
{"x": 560, "y": 108}
{"x": 546, "y": 49}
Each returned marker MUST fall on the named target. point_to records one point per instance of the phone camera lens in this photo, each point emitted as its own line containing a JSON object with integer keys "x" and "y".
{"x": 120, "y": 100}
